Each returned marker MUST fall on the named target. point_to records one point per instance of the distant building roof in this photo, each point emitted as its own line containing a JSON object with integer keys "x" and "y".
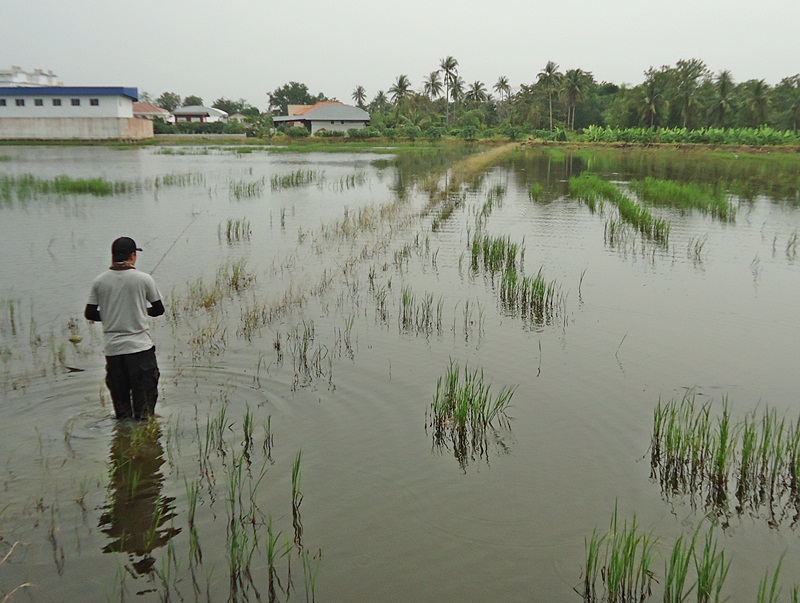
{"x": 148, "y": 109}
{"x": 326, "y": 111}
{"x": 132, "y": 93}
{"x": 200, "y": 110}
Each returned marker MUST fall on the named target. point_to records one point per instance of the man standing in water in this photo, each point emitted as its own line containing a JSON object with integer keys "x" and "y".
{"x": 119, "y": 299}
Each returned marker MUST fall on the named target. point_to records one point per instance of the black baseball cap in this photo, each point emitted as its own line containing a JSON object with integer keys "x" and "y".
{"x": 122, "y": 248}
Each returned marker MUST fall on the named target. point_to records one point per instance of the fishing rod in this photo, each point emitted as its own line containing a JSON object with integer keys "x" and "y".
{"x": 194, "y": 217}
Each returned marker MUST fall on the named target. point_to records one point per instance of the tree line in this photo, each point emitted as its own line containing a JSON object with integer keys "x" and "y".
{"x": 687, "y": 96}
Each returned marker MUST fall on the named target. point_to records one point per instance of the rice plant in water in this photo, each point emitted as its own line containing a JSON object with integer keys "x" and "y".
{"x": 295, "y": 179}
{"x": 463, "y": 409}
{"x": 535, "y": 191}
{"x": 711, "y": 568}
{"x": 689, "y": 195}
{"x": 235, "y": 230}
{"x": 676, "y": 571}
{"x": 713, "y": 459}
{"x": 587, "y": 186}
{"x": 627, "y": 566}
{"x": 27, "y": 186}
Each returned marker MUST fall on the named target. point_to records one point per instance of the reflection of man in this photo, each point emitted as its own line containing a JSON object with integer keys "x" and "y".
{"x": 119, "y": 299}
{"x": 135, "y": 513}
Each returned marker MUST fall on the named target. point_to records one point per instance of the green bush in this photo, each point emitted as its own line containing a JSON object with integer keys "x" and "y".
{"x": 329, "y": 133}
{"x": 162, "y": 127}
{"x": 410, "y": 132}
{"x": 298, "y": 132}
{"x": 362, "y": 133}
{"x": 434, "y": 132}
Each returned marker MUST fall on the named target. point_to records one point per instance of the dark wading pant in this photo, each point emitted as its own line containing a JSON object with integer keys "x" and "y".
{"x": 132, "y": 380}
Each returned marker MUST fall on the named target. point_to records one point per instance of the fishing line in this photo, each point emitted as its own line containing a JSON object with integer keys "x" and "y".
{"x": 194, "y": 217}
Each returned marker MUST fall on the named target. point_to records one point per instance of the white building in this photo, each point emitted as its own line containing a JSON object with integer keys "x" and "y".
{"x": 331, "y": 115}
{"x": 199, "y": 114}
{"x": 70, "y": 113}
{"x": 16, "y": 76}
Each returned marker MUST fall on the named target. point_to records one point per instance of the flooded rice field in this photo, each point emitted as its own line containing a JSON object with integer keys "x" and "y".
{"x": 433, "y": 375}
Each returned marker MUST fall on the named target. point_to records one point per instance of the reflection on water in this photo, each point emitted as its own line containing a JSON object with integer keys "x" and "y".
{"x": 136, "y": 517}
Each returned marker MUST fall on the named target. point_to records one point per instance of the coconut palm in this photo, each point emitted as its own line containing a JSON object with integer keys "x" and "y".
{"x": 756, "y": 101}
{"x": 360, "y": 96}
{"x": 400, "y": 89}
{"x": 380, "y": 101}
{"x": 457, "y": 87}
{"x": 502, "y": 87}
{"x": 549, "y": 78}
{"x": 476, "y": 92}
{"x": 723, "y": 104}
{"x": 449, "y": 68}
{"x": 688, "y": 74}
{"x": 432, "y": 86}
{"x": 787, "y": 100}
{"x": 650, "y": 96}
{"x": 574, "y": 86}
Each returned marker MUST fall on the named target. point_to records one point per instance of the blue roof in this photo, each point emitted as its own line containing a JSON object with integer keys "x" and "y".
{"x": 71, "y": 90}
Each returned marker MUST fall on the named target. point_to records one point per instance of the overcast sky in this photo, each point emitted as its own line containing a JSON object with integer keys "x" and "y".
{"x": 247, "y": 48}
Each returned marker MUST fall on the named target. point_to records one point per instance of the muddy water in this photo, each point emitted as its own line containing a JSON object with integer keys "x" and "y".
{"x": 309, "y": 348}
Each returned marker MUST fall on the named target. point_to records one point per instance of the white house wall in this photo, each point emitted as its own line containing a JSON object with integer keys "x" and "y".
{"x": 75, "y": 128}
{"x": 335, "y": 125}
{"x": 107, "y": 106}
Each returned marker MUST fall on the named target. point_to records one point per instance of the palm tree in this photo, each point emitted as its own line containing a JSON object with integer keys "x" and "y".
{"x": 400, "y": 89}
{"x": 723, "y": 105}
{"x": 457, "y": 87}
{"x": 502, "y": 87}
{"x": 688, "y": 74}
{"x": 756, "y": 101}
{"x": 360, "y": 96}
{"x": 550, "y": 78}
{"x": 449, "y": 67}
{"x": 787, "y": 100}
{"x": 380, "y": 101}
{"x": 432, "y": 86}
{"x": 574, "y": 86}
{"x": 476, "y": 93}
{"x": 651, "y": 96}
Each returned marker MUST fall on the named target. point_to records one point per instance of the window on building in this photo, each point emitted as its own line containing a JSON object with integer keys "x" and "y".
{"x": 94, "y": 102}
{"x": 38, "y": 102}
{"x": 2, "y": 102}
{"x": 56, "y": 102}
{"x": 20, "y": 102}
{"x": 76, "y": 102}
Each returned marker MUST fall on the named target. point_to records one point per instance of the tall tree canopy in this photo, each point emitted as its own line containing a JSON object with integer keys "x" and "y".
{"x": 169, "y": 101}
{"x": 293, "y": 93}
{"x": 192, "y": 101}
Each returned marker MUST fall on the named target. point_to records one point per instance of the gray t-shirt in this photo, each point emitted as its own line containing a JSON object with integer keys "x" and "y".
{"x": 121, "y": 297}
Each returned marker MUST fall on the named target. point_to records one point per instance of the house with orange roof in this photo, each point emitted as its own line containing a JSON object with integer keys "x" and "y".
{"x": 326, "y": 115}
{"x": 151, "y": 112}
